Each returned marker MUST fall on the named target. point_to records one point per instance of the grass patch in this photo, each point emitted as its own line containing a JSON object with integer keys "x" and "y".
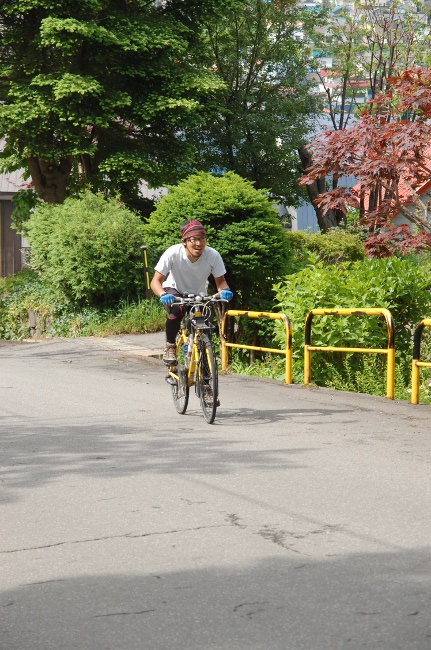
{"x": 370, "y": 379}
{"x": 144, "y": 316}
{"x": 267, "y": 366}
{"x": 54, "y": 316}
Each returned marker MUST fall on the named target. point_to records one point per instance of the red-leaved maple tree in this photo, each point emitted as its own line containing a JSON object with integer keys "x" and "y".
{"x": 388, "y": 150}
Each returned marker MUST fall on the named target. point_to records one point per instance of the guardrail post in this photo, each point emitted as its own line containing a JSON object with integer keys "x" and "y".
{"x": 307, "y": 352}
{"x": 224, "y": 355}
{"x": 416, "y": 361}
{"x": 389, "y": 351}
{"x": 287, "y": 352}
{"x": 415, "y": 383}
{"x": 390, "y": 375}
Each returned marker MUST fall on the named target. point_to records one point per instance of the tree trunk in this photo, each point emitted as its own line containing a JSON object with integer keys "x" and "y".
{"x": 332, "y": 218}
{"x": 50, "y": 179}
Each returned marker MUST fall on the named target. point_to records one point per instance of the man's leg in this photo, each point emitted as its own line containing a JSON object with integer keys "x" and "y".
{"x": 173, "y": 324}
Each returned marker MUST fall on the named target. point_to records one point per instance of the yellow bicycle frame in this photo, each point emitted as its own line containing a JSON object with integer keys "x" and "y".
{"x": 194, "y": 357}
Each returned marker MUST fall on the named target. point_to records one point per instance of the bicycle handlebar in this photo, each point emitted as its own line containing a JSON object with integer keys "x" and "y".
{"x": 190, "y": 299}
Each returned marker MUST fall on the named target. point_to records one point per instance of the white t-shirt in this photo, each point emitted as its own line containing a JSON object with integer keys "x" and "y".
{"x": 186, "y": 276}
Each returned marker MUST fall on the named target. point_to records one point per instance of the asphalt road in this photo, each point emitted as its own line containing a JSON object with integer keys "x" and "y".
{"x": 300, "y": 520}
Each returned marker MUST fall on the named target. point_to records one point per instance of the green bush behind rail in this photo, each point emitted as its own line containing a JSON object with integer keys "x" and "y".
{"x": 397, "y": 284}
{"x": 334, "y": 247}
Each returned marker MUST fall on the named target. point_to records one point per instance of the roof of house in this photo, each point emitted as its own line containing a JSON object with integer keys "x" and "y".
{"x": 404, "y": 191}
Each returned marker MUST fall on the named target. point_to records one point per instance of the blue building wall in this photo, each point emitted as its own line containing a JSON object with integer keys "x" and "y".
{"x": 305, "y": 214}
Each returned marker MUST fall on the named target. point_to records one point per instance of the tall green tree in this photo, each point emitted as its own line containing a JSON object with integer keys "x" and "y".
{"x": 266, "y": 108}
{"x": 99, "y": 92}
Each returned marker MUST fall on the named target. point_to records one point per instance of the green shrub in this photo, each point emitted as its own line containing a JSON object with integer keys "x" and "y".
{"x": 334, "y": 247}
{"x": 397, "y": 284}
{"x": 241, "y": 224}
{"x": 88, "y": 248}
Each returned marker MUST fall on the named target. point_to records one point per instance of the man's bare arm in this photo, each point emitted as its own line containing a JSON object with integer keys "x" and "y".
{"x": 221, "y": 283}
{"x": 156, "y": 284}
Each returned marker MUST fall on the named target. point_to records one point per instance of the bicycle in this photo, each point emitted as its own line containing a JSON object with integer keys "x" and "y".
{"x": 195, "y": 364}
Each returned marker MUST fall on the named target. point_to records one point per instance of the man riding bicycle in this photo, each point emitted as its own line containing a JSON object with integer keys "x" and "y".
{"x": 185, "y": 268}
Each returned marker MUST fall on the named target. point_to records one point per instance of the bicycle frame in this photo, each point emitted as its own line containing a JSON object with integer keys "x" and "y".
{"x": 193, "y": 324}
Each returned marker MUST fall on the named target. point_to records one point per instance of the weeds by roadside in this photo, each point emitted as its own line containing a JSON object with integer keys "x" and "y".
{"x": 370, "y": 379}
{"x": 29, "y": 307}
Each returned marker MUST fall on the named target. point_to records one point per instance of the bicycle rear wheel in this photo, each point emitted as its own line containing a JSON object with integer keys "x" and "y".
{"x": 180, "y": 388}
{"x": 207, "y": 378}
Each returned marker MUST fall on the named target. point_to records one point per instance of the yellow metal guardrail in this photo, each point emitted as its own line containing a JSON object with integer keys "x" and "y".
{"x": 287, "y": 352}
{"x": 389, "y": 351}
{"x": 416, "y": 362}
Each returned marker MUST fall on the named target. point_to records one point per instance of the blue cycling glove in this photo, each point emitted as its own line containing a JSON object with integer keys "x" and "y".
{"x": 167, "y": 298}
{"x": 226, "y": 294}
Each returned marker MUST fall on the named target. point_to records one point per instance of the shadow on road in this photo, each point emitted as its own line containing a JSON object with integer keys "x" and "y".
{"x": 291, "y": 603}
{"x": 34, "y": 454}
{"x": 268, "y": 416}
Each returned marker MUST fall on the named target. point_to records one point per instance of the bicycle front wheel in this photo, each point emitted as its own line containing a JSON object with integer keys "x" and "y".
{"x": 207, "y": 377}
{"x": 180, "y": 390}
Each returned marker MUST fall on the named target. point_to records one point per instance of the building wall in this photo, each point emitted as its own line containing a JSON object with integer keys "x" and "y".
{"x": 304, "y": 216}
{"x": 426, "y": 199}
{"x": 10, "y": 242}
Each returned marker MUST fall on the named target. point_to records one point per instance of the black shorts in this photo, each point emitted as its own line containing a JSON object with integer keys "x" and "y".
{"x": 175, "y": 310}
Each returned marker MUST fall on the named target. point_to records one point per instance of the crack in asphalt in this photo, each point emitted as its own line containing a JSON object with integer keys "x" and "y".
{"x": 144, "y": 611}
{"x": 234, "y": 520}
{"x": 43, "y": 582}
{"x": 282, "y": 537}
{"x": 101, "y": 539}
